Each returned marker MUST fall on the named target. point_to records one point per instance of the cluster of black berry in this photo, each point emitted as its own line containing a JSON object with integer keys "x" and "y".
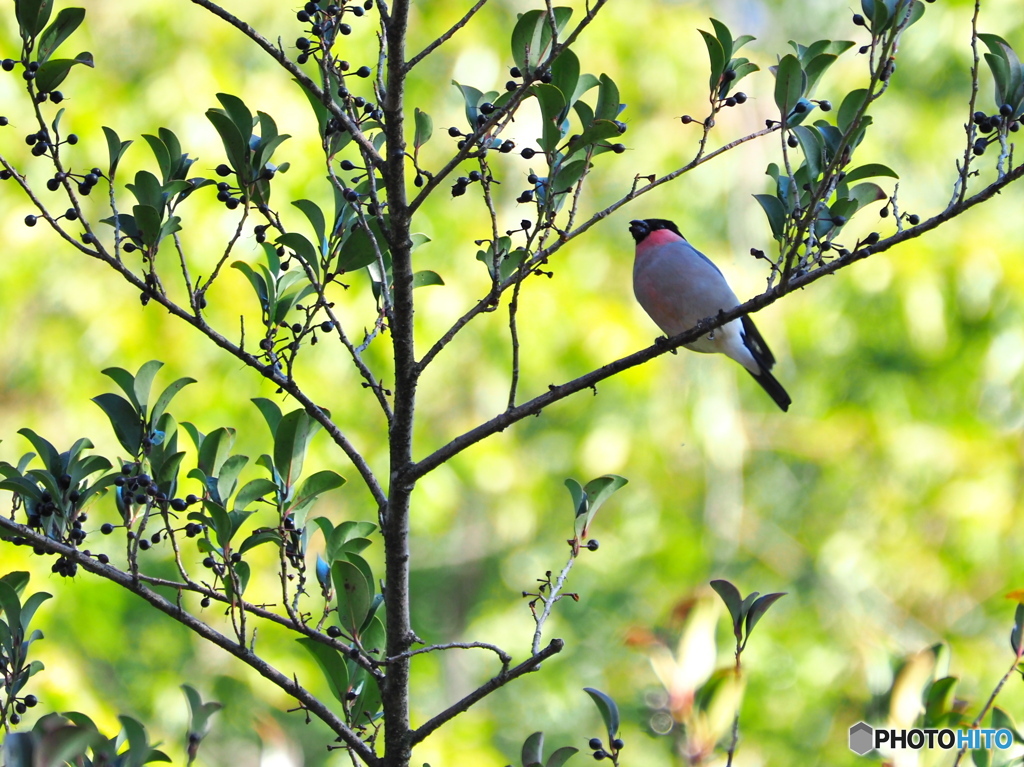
{"x": 1005, "y": 120}
{"x": 326, "y": 23}
{"x": 21, "y": 706}
{"x": 600, "y": 753}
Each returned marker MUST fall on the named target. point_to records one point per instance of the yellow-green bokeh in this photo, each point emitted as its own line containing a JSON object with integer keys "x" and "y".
{"x": 885, "y": 502}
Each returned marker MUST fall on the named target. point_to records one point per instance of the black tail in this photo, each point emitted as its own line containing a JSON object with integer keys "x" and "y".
{"x": 765, "y": 360}
{"x": 774, "y": 389}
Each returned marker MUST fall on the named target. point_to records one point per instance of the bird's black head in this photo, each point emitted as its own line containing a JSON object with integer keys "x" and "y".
{"x": 640, "y": 229}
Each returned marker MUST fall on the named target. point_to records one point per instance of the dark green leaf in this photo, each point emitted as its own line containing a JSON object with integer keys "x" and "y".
{"x": 871, "y": 170}
{"x": 816, "y": 67}
{"x": 290, "y": 443}
{"x": 733, "y": 602}
{"x": 608, "y": 106}
{"x": 533, "y": 750}
{"x": 568, "y": 175}
{"x": 851, "y": 105}
{"x": 32, "y": 15}
{"x": 125, "y": 421}
{"x": 813, "y": 147}
{"x": 551, "y": 102}
{"x": 609, "y": 711}
{"x": 790, "y": 84}
{"x": 52, "y": 73}
{"x": 235, "y": 146}
{"x": 717, "y": 56}
{"x": 565, "y": 75}
{"x": 759, "y": 608}
{"x": 865, "y": 194}
{"x": 331, "y": 663}
{"x": 353, "y": 594}
{"x": 560, "y": 756}
{"x": 67, "y": 21}
{"x": 775, "y": 212}
{"x": 115, "y": 149}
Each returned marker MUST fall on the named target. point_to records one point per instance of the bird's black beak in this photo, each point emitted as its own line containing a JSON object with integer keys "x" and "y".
{"x": 639, "y": 229}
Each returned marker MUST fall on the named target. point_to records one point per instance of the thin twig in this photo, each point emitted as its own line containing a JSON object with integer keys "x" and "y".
{"x": 497, "y": 682}
{"x": 553, "y": 595}
{"x": 503, "y": 656}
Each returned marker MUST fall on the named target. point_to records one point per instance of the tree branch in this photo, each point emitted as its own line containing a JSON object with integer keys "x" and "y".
{"x": 495, "y": 683}
{"x": 128, "y": 582}
{"x": 591, "y": 379}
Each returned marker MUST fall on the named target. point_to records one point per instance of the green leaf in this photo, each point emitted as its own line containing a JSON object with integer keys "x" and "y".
{"x": 290, "y": 443}
{"x": 358, "y": 250}
{"x": 424, "y": 128}
{"x": 162, "y": 402}
{"x": 775, "y": 212}
{"x": 28, "y": 609}
{"x": 17, "y": 580}
{"x": 716, "y": 53}
{"x": 870, "y": 170}
{"x": 565, "y": 75}
{"x": 867, "y": 193}
{"x": 608, "y": 106}
{"x": 609, "y": 711}
{"x": 32, "y": 15}
{"x": 353, "y": 594}
{"x": 533, "y": 750}
{"x": 733, "y": 602}
{"x": 561, "y": 756}
{"x": 115, "y": 149}
{"x": 261, "y": 487}
{"x": 67, "y": 21}
{"x": 724, "y": 38}
{"x": 790, "y": 84}
{"x": 850, "y": 107}
{"x": 568, "y": 175}
{"x": 124, "y": 419}
{"x": 10, "y": 606}
{"x": 214, "y": 451}
{"x": 235, "y": 147}
{"x": 52, "y": 73}
{"x": 939, "y": 699}
{"x": 426, "y": 277}
{"x": 473, "y": 97}
{"x": 813, "y": 147}
{"x": 759, "y": 608}
{"x": 331, "y": 663}
{"x": 816, "y": 67}
{"x": 552, "y": 103}
{"x": 531, "y": 37}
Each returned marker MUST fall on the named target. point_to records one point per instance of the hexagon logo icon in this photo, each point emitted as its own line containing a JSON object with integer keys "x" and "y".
{"x": 861, "y": 738}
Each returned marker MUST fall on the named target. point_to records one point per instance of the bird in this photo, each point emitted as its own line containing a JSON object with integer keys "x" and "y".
{"x": 678, "y": 286}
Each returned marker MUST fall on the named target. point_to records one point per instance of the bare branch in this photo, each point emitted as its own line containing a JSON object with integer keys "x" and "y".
{"x": 495, "y": 683}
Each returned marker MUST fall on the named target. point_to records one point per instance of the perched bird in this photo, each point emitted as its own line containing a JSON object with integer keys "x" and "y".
{"x": 678, "y": 286}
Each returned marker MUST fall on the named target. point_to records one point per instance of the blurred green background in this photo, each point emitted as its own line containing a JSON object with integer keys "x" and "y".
{"x": 885, "y": 502}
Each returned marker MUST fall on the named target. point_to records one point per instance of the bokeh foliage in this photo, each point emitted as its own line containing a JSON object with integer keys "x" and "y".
{"x": 885, "y": 502}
